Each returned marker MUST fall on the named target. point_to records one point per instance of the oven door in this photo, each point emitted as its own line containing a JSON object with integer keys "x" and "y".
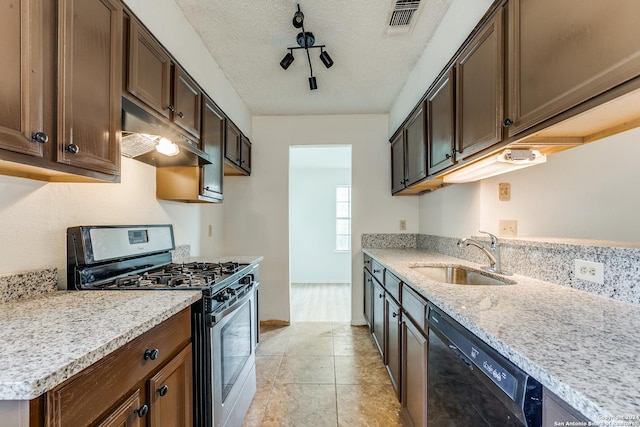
{"x": 233, "y": 371}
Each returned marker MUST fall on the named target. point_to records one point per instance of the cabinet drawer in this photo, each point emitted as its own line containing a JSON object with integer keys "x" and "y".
{"x": 392, "y": 284}
{"x": 377, "y": 271}
{"x": 415, "y": 306}
{"x": 83, "y": 398}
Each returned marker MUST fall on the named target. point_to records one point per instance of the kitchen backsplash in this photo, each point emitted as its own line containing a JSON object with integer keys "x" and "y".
{"x": 180, "y": 253}
{"x": 29, "y": 284}
{"x": 550, "y": 260}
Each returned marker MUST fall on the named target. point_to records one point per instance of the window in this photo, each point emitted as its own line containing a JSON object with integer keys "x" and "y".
{"x": 343, "y": 218}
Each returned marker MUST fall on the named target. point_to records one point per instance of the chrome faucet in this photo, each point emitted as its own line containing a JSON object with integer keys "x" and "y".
{"x": 494, "y": 259}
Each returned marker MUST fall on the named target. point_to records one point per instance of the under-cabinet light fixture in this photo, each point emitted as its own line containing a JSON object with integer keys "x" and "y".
{"x": 167, "y": 147}
{"x": 507, "y": 161}
{"x": 306, "y": 40}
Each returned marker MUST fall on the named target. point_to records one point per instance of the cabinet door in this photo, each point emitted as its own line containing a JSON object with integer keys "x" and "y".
{"x": 245, "y": 154}
{"x": 416, "y": 151}
{"x": 480, "y": 91}
{"x": 368, "y": 293}
{"x": 124, "y": 415}
{"x": 90, "y": 84}
{"x": 440, "y": 125}
{"x": 398, "y": 177}
{"x": 562, "y": 53}
{"x": 414, "y": 373}
{"x": 232, "y": 143}
{"x": 212, "y": 140}
{"x": 392, "y": 323}
{"x": 149, "y": 70}
{"x": 378, "y": 317}
{"x": 170, "y": 392}
{"x": 187, "y": 98}
{"x": 22, "y": 85}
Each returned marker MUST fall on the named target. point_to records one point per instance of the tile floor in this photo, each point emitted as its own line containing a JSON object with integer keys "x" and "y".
{"x": 321, "y": 374}
{"x": 320, "y": 302}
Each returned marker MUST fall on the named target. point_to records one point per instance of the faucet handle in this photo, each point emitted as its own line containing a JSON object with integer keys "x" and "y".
{"x": 494, "y": 239}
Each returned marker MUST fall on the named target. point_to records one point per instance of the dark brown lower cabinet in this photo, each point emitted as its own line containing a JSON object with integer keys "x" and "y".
{"x": 415, "y": 347}
{"x": 368, "y": 292}
{"x": 147, "y": 382}
{"x": 392, "y": 350}
{"x": 379, "y": 317}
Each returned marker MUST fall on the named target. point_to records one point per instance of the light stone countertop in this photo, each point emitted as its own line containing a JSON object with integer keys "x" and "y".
{"x": 583, "y": 347}
{"x": 47, "y": 339}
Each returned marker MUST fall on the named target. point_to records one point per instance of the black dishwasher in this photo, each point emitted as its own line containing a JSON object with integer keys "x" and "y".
{"x": 470, "y": 384}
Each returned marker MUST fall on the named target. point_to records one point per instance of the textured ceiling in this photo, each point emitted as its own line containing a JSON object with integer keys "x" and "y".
{"x": 248, "y": 38}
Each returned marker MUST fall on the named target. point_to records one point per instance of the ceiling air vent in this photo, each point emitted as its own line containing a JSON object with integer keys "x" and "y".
{"x": 402, "y": 16}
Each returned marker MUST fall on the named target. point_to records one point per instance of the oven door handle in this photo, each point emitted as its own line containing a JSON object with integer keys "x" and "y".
{"x": 217, "y": 317}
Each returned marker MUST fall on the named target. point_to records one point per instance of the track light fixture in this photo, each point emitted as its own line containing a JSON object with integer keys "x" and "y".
{"x": 305, "y": 40}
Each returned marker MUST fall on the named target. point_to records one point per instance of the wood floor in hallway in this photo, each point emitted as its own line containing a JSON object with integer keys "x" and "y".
{"x": 320, "y": 302}
{"x": 320, "y": 374}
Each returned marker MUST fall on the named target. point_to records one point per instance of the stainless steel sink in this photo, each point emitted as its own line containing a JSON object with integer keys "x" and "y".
{"x": 459, "y": 276}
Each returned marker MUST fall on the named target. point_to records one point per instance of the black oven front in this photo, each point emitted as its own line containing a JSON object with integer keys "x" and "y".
{"x": 224, "y": 328}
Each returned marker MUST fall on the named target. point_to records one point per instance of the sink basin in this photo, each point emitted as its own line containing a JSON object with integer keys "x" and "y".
{"x": 459, "y": 276}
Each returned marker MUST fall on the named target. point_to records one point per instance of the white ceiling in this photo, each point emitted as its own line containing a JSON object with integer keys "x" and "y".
{"x": 248, "y": 38}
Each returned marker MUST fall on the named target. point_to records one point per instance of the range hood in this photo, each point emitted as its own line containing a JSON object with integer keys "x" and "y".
{"x": 142, "y": 133}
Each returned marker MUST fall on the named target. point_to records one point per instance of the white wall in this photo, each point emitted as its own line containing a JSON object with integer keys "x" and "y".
{"x": 460, "y": 19}
{"x": 35, "y": 215}
{"x": 256, "y": 219}
{"x": 312, "y": 216}
{"x": 588, "y": 192}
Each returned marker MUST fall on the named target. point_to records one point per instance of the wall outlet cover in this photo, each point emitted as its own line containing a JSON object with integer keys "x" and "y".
{"x": 508, "y": 227}
{"x": 403, "y": 224}
{"x": 589, "y": 271}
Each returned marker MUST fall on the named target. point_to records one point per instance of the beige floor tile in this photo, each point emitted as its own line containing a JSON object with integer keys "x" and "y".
{"x": 368, "y": 405}
{"x": 361, "y": 370}
{"x": 342, "y": 329}
{"x": 301, "y": 405}
{"x": 273, "y": 346}
{"x": 258, "y": 406}
{"x": 267, "y": 369}
{"x": 306, "y": 369}
{"x": 311, "y": 329}
{"x": 352, "y": 345}
{"x": 310, "y": 345}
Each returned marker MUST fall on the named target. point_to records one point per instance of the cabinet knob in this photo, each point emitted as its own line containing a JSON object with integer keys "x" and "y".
{"x": 447, "y": 156}
{"x": 180, "y": 114}
{"x": 394, "y": 315}
{"x": 368, "y": 280}
{"x": 375, "y": 271}
{"x": 142, "y": 411}
{"x": 163, "y": 390}
{"x": 380, "y": 295}
{"x": 171, "y": 108}
{"x": 507, "y": 122}
{"x": 72, "y": 148}
{"x": 151, "y": 354}
{"x": 40, "y": 137}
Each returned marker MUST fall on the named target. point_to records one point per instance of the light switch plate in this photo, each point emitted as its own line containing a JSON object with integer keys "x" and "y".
{"x": 504, "y": 191}
{"x": 403, "y": 224}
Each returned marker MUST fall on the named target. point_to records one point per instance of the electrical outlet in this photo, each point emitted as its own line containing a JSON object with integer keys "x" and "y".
{"x": 507, "y": 227}
{"x": 210, "y": 230}
{"x": 403, "y": 224}
{"x": 589, "y": 271}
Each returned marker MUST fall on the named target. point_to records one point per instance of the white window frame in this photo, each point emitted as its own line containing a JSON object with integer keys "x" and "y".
{"x": 342, "y": 218}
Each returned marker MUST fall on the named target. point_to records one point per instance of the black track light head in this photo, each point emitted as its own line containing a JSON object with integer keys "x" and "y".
{"x": 305, "y": 39}
{"x": 326, "y": 59}
{"x": 286, "y": 61}
{"x": 298, "y": 18}
{"x": 313, "y": 85}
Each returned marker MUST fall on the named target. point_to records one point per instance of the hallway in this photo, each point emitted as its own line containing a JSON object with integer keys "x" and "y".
{"x": 321, "y": 374}
{"x": 320, "y": 302}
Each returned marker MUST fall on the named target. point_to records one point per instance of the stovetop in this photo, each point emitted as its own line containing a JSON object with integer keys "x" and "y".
{"x": 176, "y": 276}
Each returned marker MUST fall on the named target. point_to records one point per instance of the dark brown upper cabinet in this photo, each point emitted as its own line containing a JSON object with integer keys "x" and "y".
{"x": 562, "y": 53}
{"x": 149, "y": 70}
{"x": 441, "y": 110}
{"x": 480, "y": 89}
{"x": 409, "y": 152}
{"x": 237, "y": 151}
{"x": 60, "y": 92}
{"x": 187, "y": 99}
{"x": 90, "y": 84}
{"x": 212, "y": 144}
{"x": 22, "y": 84}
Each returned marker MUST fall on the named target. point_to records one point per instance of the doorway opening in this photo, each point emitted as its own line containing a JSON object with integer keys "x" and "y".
{"x": 320, "y": 233}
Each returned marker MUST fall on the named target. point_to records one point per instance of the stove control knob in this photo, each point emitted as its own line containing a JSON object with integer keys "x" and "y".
{"x": 151, "y": 354}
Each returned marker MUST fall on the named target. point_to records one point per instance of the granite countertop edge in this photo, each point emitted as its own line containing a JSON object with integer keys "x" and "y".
{"x": 486, "y": 312}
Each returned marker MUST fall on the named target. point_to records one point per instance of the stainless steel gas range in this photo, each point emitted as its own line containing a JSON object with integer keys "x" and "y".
{"x": 224, "y": 322}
